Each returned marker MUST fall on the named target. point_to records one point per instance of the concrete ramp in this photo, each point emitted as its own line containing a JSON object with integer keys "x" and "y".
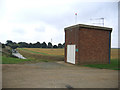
{"x": 17, "y": 54}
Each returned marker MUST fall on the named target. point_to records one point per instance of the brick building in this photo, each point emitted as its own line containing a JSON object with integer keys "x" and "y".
{"x": 87, "y": 44}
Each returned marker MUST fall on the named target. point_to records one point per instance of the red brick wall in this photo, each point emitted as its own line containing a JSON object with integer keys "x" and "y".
{"x": 93, "y": 46}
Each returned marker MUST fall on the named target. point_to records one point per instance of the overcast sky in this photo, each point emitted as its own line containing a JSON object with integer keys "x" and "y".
{"x": 41, "y": 20}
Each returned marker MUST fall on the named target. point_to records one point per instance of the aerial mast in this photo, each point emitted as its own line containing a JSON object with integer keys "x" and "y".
{"x": 75, "y": 18}
{"x": 99, "y": 21}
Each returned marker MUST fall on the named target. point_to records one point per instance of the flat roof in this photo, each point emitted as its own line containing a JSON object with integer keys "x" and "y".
{"x": 89, "y": 26}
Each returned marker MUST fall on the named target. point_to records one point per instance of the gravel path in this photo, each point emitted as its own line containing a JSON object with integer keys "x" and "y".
{"x": 57, "y": 75}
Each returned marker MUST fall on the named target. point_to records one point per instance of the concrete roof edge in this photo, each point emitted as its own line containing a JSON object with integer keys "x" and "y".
{"x": 89, "y": 26}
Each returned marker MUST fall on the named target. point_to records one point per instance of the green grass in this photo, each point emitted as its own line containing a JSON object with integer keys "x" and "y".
{"x": 33, "y": 51}
{"x": 113, "y": 65}
{"x": 12, "y": 60}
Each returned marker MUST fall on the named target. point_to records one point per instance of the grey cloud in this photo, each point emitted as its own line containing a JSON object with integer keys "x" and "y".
{"x": 19, "y": 31}
{"x": 40, "y": 29}
{"x": 59, "y": 19}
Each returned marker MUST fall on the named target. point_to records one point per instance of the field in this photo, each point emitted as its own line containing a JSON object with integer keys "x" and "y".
{"x": 114, "y": 53}
{"x": 44, "y": 55}
{"x": 35, "y": 55}
{"x": 42, "y": 51}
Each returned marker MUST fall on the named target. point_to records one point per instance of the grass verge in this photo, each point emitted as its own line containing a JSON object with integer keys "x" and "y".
{"x": 12, "y": 60}
{"x": 113, "y": 65}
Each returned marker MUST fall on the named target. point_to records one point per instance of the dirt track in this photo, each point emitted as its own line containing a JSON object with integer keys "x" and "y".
{"x": 57, "y": 75}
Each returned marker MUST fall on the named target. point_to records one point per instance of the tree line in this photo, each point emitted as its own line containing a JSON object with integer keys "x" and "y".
{"x": 15, "y": 45}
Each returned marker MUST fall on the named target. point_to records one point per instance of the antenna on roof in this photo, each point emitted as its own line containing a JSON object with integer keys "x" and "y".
{"x": 97, "y": 21}
{"x": 75, "y": 18}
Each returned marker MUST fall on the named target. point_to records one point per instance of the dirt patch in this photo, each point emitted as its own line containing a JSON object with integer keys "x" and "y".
{"x": 57, "y": 75}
